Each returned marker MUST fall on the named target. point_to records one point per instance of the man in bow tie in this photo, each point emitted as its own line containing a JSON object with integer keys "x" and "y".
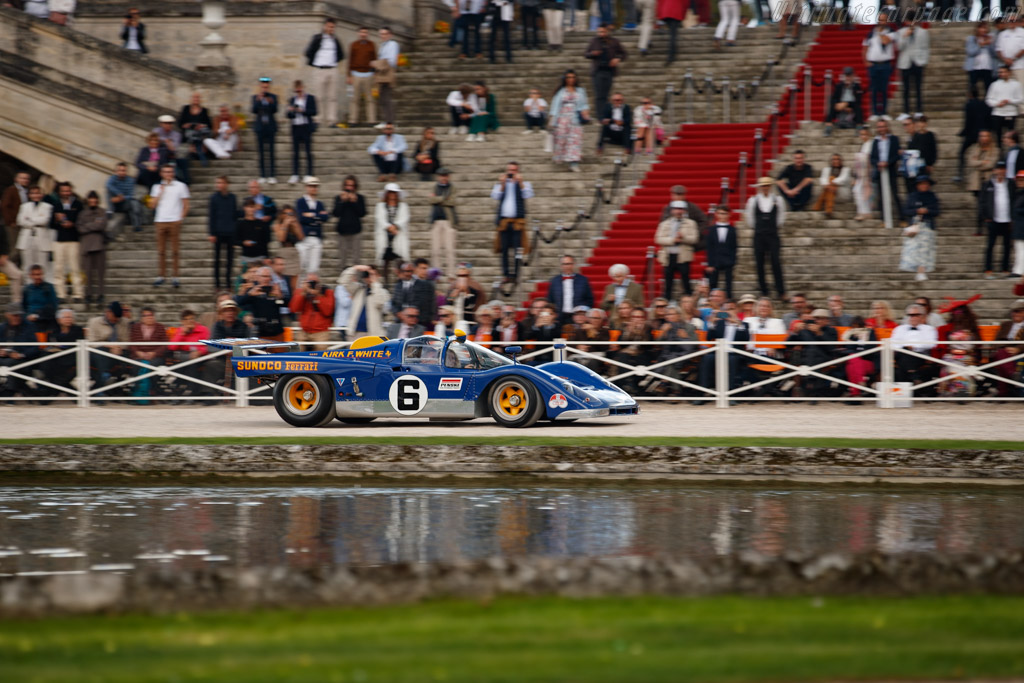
{"x": 917, "y": 336}
{"x": 569, "y": 289}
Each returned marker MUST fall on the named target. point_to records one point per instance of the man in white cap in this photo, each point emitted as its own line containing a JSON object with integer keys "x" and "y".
{"x": 312, "y": 214}
{"x": 677, "y": 235}
{"x": 766, "y": 212}
{"x": 170, "y": 137}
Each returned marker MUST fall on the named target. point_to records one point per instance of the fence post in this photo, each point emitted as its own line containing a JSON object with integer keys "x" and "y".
{"x": 721, "y": 373}
{"x": 242, "y": 387}
{"x": 888, "y": 361}
{"x": 808, "y": 84}
{"x": 726, "y": 100}
{"x": 559, "y": 347}
{"x": 82, "y": 372}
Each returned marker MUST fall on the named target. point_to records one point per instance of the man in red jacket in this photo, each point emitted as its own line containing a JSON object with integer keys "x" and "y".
{"x": 313, "y": 305}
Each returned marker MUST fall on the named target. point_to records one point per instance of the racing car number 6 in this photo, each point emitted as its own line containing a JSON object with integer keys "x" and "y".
{"x": 408, "y": 395}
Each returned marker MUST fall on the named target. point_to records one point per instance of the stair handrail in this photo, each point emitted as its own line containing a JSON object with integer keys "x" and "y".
{"x": 808, "y": 86}
{"x": 758, "y": 151}
{"x": 741, "y": 178}
{"x": 689, "y": 91}
{"x": 828, "y": 95}
{"x": 709, "y": 93}
{"x": 773, "y": 131}
{"x": 726, "y": 99}
{"x": 649, "y": 276}
{"x": 725, "y": 192}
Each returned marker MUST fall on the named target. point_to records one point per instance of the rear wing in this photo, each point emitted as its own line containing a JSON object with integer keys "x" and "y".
{"x": 239, "y": 345}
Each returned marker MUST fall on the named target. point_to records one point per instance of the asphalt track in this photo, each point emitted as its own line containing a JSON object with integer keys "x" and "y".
{"x": 923, "y": 421}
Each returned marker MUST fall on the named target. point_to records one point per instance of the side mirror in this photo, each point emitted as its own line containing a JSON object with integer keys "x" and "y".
{"x": 512, "y": 351}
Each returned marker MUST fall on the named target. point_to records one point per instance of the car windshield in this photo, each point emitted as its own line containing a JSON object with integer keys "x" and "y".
{"x": 486, "y": 359}
{"x": 459, "y": 355}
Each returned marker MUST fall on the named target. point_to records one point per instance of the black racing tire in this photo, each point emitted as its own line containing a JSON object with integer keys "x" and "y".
{"x": 304, "y": 400}
{"x": 514, "y": 401}
{"x": 356, "y": 420}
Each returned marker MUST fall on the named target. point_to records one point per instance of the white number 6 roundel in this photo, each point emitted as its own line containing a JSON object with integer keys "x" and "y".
{"x": 408, "y": 395}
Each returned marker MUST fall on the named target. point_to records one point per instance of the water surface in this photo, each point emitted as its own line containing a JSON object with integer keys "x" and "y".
{"x": 77, "y": 529}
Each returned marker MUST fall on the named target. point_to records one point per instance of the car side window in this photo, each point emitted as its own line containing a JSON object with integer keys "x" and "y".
{"x": 422, "y": 351}
{"x": 459, "y": 356}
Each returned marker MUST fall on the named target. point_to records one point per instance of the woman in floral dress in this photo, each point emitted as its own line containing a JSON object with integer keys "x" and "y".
{"x": 569, "y": 110}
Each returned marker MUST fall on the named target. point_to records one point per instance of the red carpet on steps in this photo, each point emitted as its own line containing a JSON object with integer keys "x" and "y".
{"x": 702, "y": 154}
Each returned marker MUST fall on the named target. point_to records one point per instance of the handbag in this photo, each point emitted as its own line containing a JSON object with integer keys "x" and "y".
{"x": 913, "y": 229}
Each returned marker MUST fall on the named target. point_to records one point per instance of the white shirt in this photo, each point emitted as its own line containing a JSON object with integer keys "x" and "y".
{"x": 877, "y": 52}
{"x": 389, "y": 51}
{"x": 620, "y": 291}
{"x": 730, "y": 331}
{"x": 763, "y": 326}
{"x": 170, "y": 201}
{"x": 508, "y": 206}
{"x": 455, "y": 99}
{"x": 765, "y": 203}
{"x": 1009, "y": 43}
{"x": 983, "y": 60}
{"x": 1001, "y": 203}
{"x": 536, "y": 107}
{"x": 327, "y": 55}
{"x": 300, "y": 117}
{"x": 133, "y": 39}
{"x": 920, "y": 339}
{"x": 1014, "y": 329}
{"x": 723, "y": 233}
{"x": 616, "y": 116}
{"x": 883, "y": 147}
{"x": 1008, "y": 90}
{"x": 567, "y": 291}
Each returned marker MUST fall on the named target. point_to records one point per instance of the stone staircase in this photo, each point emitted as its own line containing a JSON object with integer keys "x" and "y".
{"x": 476, "y": 166}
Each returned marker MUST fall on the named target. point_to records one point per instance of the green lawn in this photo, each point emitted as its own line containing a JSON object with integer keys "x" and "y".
{"x": 635, "y": 640}
{"x": 520, "y": 440}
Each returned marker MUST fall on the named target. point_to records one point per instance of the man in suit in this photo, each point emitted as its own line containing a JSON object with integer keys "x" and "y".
{"x": 12, "y": 199}
{"x": 415, "y": 290}
{"x": 150, "y": 159}
{"x": 722, "y": 248}
{"x": 301, "y": 110}
{"x": 1011, "y": 153}
{"x": 312, "y": 214}
{"x": 264, "y": 110}
{"x": 885, "y": 156}
{"x": 913, "y": 47}
{"x": 622, "y": 288}
{"x": 765, "y": 214}
{"x": 847, "y": 106}
{"x": 725, "y": 325}
{"x": 616, "y": 123}
{"x": 997, "y": 196}
{"x": 407, "y": 325}
{"x": 569, "y": 289}
{"x": 324, "y": 53}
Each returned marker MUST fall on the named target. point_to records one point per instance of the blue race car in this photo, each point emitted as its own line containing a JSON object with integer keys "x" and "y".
{"x": 425, "y": 376}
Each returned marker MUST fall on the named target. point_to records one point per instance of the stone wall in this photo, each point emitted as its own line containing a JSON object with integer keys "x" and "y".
{"x": 746, "y": 574}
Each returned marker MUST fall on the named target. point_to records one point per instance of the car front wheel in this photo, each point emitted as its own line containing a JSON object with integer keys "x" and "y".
{"x": 304, "y": 400}
{"x": 515, "y": 402}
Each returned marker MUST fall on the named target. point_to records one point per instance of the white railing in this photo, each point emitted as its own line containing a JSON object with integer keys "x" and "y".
{"x": 722, "y": 371}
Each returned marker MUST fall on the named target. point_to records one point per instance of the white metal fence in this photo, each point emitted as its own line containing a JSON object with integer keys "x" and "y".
{"x": 720, "y": 371}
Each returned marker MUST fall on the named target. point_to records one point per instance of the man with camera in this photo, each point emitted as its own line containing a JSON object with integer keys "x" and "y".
{"x": 368, "y": 300}
{"x": 605, "y": 54}
{"x": 133, "y": 33}
{"x": 263, "y": 299}
{"x": 511, "y": 193}
{"x": 313, "y": 304}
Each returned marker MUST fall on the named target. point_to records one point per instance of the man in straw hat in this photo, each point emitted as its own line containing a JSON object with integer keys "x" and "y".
{"x": 766, "y": 212}
{"x": 312, "y": 214}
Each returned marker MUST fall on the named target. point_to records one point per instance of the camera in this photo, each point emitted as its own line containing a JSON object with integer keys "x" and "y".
{"x": 266, "y": 289}
{"x": 723, "y": 315}
{"x": 510, "y": 176}
{"x": 364, "y": 275}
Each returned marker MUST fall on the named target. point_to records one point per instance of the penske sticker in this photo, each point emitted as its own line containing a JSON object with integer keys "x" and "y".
{"x": 450, "y": 384}
{"x": 259, "y": 365}
{"x": 558, "y": 401}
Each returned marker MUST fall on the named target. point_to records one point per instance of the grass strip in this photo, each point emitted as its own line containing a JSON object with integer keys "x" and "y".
{"x": 727, "y": 639}
{"x": 517, "y": 440}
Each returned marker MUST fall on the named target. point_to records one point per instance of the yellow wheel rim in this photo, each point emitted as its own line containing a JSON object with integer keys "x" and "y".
{"x": 512, "y": 400}
{"x": 302, "y": 395}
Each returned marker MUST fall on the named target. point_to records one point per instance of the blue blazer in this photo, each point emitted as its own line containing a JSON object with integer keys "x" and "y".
{"x": 259, "y": 110}
{"x": 311, "y": 110}
{"x": 582, "y": 295}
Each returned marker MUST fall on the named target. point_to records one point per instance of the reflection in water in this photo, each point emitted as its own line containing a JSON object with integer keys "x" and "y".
{"x": 108, "y": 529}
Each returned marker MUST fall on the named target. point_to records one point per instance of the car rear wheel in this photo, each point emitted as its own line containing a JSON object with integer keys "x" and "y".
{"x": 356, "y": 420}
{"x": 304, "y": 400}
{"x": 515, "y": 402}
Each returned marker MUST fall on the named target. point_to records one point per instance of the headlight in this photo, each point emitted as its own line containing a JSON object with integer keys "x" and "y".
{"x": 570, "y": 389}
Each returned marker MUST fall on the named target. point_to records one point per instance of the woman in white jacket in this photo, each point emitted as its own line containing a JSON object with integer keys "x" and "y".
{"x": 35, "y": 238}
{"x": 835, "y": 180}
{"x": 391, "y": 226}
{"x": 368, "y": 299}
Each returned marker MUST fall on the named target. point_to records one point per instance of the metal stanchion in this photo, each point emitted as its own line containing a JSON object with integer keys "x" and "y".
{"x": 886, "y": 198}
{"x": 773, "y": 132}
{"x": 828, "y": 95}
{"x": 741, "y": 180}
{"x": 726, "y": 100}
{"x": 758, "y": 151}
{"x": 721, "y": 373}
{"x": 649, "y": 272}
{"x": 887, "y": 371}
{"x": 724, "y": 197}
{"x": 688, "y": 91}
{"x": 709, "y": 94}
{"x": 808, "y": 84}
{"x": 741, "y": 89}
{"x": 82, "y": 369}
{"x": 670, "y": 92}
